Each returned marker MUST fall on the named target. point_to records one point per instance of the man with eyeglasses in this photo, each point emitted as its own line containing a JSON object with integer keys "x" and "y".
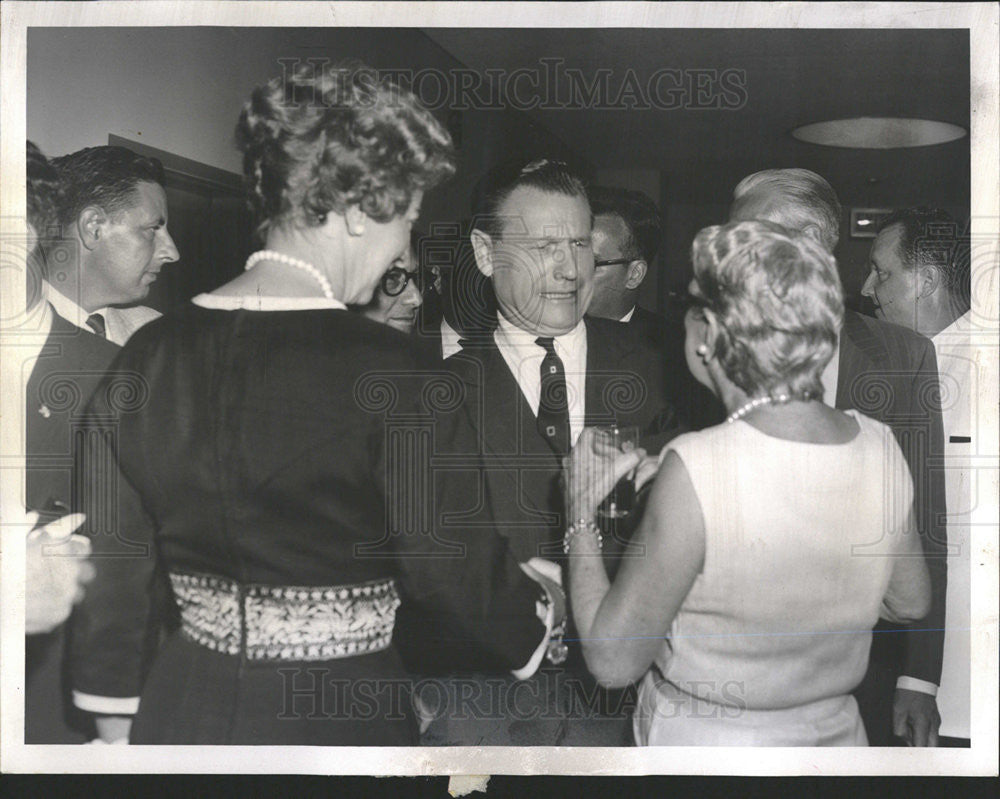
{"x": 626, "y": 238}
{"x": 532, "y": 386}
{"x": 400, "y": 293}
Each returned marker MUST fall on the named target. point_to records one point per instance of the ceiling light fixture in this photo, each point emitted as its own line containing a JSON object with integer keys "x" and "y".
{"x": 879, "y": 133}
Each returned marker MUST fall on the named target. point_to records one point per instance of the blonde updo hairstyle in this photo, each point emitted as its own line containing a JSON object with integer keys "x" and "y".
{"x": 778, "y": 302}
{"x": 326, "y": 139}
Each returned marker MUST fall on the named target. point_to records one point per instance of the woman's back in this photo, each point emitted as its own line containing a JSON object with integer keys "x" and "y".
{"x": 258, "y": 452}
{"x": 799, "y": 540}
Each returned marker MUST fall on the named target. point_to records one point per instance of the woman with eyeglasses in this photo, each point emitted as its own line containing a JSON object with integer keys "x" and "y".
{"x": 400, "y": 292}
{"x": 281, "y": 484}
{"x": 771, "y": 543}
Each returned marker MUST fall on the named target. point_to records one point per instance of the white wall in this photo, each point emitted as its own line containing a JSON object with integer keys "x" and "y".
{"x": 174, "y": 89}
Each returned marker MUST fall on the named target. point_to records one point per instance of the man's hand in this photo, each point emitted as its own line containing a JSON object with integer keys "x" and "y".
{"x": 915, "y": 717}
{"x": 56, "y": 571}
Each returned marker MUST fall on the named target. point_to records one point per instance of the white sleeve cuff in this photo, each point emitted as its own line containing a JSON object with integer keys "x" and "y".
{"x": 106, "y": 705}
{"x": 546, "y": 614}
{"x": 913, "y": 684}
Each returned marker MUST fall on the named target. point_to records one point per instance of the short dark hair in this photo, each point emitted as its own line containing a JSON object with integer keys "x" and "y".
{"x": 490, "y": 192}
{"x": 637, "y": 211}
{"x": 930, "y": 237}
{"x": 44, "y": 191}
{"x": 103, "y": 176}
{"x": 327, "y": 139}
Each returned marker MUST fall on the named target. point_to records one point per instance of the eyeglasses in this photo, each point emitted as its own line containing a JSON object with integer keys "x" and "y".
{"x": 613, "y": 262}
{"x": 395, "y": 280}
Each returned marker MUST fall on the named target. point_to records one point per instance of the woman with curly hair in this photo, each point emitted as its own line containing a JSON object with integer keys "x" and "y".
{"x": 772, "y": 542}
{"x": 285, "y": 506}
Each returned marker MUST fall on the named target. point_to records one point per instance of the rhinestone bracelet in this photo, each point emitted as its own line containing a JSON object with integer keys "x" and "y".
{"x": 581, "y": 526}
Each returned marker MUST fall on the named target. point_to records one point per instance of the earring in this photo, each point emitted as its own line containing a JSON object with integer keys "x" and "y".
{"x": 702, "y": 350}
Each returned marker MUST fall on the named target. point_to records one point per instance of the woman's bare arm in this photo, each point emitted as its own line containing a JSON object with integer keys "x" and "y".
{"x": 622, "y": 626}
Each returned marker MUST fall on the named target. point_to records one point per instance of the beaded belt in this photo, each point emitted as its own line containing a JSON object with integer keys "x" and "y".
{"x": 275, "y": 622}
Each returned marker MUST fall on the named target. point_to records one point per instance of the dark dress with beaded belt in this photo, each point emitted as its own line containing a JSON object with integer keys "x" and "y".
{"x": 284, "y": 461}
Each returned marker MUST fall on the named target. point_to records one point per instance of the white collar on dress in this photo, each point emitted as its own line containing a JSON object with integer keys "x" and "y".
{"x": 256, "y": 302}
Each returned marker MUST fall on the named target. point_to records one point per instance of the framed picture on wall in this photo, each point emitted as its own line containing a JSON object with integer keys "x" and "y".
{"x": 865, "y": 222}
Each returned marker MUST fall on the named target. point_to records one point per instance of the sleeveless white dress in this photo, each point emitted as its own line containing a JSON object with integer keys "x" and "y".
{"x": 776, "y": 630}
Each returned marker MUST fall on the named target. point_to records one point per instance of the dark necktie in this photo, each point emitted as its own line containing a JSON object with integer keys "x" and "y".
{"x": 96, "y": 323}
{"x": 553, "y": 405}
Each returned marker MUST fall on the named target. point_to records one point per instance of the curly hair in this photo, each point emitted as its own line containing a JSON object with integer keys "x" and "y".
{"x": 779, "y": 303}
{"x": 325, "y": 140}
{"x": 44, "y": 191}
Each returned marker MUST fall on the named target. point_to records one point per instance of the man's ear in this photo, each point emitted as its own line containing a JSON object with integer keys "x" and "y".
{"x": 482, "y": 246}
{"x": 928, "y": 280}
{"x": 812, "y": 231}
{"x": 91, "y": 225}
{"x": 354, "y": 219}
{"x": 636, "y": 273}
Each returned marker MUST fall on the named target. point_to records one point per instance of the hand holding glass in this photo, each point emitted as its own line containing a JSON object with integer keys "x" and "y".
{"x": 620, "y": 502}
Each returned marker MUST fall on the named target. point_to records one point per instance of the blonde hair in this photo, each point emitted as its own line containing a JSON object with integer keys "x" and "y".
{"x": 778, "y": 301}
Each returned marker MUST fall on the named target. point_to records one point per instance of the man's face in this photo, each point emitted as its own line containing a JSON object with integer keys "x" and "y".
{"x": 892, "y": 286}
{"x": 542, "y": 263}
{"x": 610, "y": 282}
{"x": 399, "y": 311}
{"x": 132, "y": 249}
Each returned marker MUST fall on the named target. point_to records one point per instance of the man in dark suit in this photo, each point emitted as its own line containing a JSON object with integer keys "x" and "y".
{"x": 533, "y": 385}
{"x": 61, "y": 378}
{"x": 626, "y": 238}
{"x": 889, "y": 373}
{"x": 114, "y": 208}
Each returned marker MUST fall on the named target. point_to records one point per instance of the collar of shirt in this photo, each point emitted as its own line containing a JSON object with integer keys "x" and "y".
{"x": 524, "y": 359}
{"x": 68, "y": 309}
{"x": 449, "y": 339}
{"x": 628, "y": 316}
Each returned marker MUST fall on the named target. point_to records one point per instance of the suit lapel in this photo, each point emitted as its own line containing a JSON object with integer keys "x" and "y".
{"x": 515, "y": 454}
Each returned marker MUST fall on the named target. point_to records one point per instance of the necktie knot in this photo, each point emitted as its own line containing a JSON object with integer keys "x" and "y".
{"x": 96, "y": 323}
{"x": 548, "y": 344}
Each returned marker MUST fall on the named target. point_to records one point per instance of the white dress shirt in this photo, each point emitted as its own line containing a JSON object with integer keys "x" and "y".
{"x": 119, "y": 323}
{"x": 449, "y": 340}
{"x": 524, "y": 359}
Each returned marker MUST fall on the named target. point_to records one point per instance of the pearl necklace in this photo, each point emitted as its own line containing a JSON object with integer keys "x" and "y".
{"x": 305, "y": 266}
{"x": 781, "y": 399}
{"x": 743, "y": 410}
